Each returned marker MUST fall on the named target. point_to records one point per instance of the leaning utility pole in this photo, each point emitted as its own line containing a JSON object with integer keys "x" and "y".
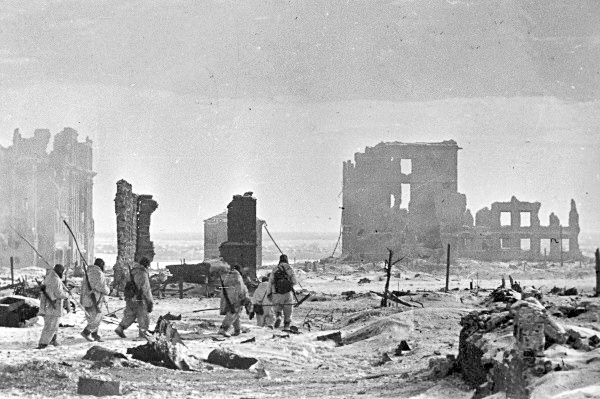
{"x": 561, "y": 248}
{"x": 597, "y": 272}
{"x": 448, "y": 268}
{"x": 387, "y": 281}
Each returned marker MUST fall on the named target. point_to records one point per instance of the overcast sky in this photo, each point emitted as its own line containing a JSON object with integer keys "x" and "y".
{"x": 195, "y": 101}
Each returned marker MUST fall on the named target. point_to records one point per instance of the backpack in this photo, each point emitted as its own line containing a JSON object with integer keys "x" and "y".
{"x": 130, "y": 290}
{"x": 283, "y": 285}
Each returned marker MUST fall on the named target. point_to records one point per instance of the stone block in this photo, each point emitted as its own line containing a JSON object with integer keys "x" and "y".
{"x": 95, "y": 387}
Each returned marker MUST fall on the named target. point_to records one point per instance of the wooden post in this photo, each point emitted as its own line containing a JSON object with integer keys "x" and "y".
{"x": 448, "y": 268}
{"x": 387, "y": 281}
{"x": 561, "y": 248}
{"x": 597, "y": 272}
{"x": 12, "y": 270}
{"x": 181, "y": 287}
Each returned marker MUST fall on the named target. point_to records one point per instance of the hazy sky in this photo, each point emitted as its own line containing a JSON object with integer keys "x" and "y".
{"x": 195, "y": 101}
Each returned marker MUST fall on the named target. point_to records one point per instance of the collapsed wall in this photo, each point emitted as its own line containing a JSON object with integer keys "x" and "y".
{"x": 512, "y": 230}
{"x": 133, "y": 225}
{"x": 512, "y": 344}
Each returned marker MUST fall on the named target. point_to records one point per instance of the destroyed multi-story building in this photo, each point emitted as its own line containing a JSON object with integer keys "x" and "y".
{"x": 244, "y": 234}
{"x": 133, "y": 225}
{"x": 39, "y": 191}
{"x": 215, "y": 234}
{"x": 404, "y": 195}
{"x": 512, "y": 230}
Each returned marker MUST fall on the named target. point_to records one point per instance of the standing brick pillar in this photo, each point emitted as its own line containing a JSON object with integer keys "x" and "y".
{"x": 133, "y": 225}
{"x": 144, "y": 247}
{"x": 126, "y": 209}
{"x": 241, "y": 243}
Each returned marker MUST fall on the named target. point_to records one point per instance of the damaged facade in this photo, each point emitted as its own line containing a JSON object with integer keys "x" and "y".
{"x": 244, "y": 234}
{"x": 405, "y": 195}
{"x": 512, "y": 230}
{"x": 133, "y": 225}
{"x": 39, "y": 191}
{"x": 399, "y": 194}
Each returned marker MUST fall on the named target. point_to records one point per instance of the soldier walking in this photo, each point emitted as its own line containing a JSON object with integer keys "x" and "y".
{"x": 138, "y": 300}
{"x": 93, "y": 289}
{"x": 51, "y": 305}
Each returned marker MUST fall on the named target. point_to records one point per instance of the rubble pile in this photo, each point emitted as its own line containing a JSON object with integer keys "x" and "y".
{"x": 504, "y": 348}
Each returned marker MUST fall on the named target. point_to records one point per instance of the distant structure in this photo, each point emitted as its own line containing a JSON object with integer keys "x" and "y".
{"x": 398, "y": 195}
{"x": 215, "y": 234}
{"x": 392, "y": 197}
{"x": 133, "y": 225}
{"x": 244, "y": 234}
{"x": 512, "y": 230}
{"x": 38, "y": 191}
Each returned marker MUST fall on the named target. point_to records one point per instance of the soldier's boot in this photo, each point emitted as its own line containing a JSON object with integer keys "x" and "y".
{"x": 119, "y": 331}
{"x": 97, "y": 337}
{"x": 54, "y": 341}
{"x": 86, "y": 334}
{"x": 277, "y": 322}
{"x": 224, "y": 332}
{"x": 42, "y": 346}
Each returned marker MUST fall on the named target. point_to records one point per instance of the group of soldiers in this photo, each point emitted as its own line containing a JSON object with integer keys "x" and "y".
{"x": 138, "y": 301}
{"x": 271, "y": 303}
{"x": 272, "y": 300}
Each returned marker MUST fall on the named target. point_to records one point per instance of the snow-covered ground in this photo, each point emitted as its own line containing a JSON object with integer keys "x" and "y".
{"x": 299, "y": 366}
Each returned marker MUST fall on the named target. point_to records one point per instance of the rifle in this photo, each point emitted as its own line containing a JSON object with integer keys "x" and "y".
{"x": 227, "y": 301}
{"x": 45, "y": 261}
{"x": 85, "y": 267}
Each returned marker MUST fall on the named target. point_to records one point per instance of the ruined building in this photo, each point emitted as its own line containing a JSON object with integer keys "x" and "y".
{"x": 512, "y": 230}
{"x": 133, "y": 225}
{"x": 400, "y": 194}
{"x": 244, "y": 237}
{"x": 404, "y": 195}
{"x": 215, "y": 233}
{"x": 39, "y": 190}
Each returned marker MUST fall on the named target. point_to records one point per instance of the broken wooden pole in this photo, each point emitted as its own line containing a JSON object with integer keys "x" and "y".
{"x": 12, "y": 270}
{"x": 387, "y": 281}
{"x": 597, "y": 272}
{"x": 180, "y": 287}
{"x": 448, "y": 268}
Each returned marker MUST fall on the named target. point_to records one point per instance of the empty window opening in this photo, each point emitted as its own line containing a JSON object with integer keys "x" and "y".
{"x": 525, "y": 244}
{"x": 505, "y": 243}
{"x": 405, "y": 195}
{"x": 525, "y": 219}
{"x": 545, "y": 246}
{"x": 565, "y": 244}
{"x": 406, "y": 166}
{"x": 392, "y": 200}
{"x": 505, "y": 219}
